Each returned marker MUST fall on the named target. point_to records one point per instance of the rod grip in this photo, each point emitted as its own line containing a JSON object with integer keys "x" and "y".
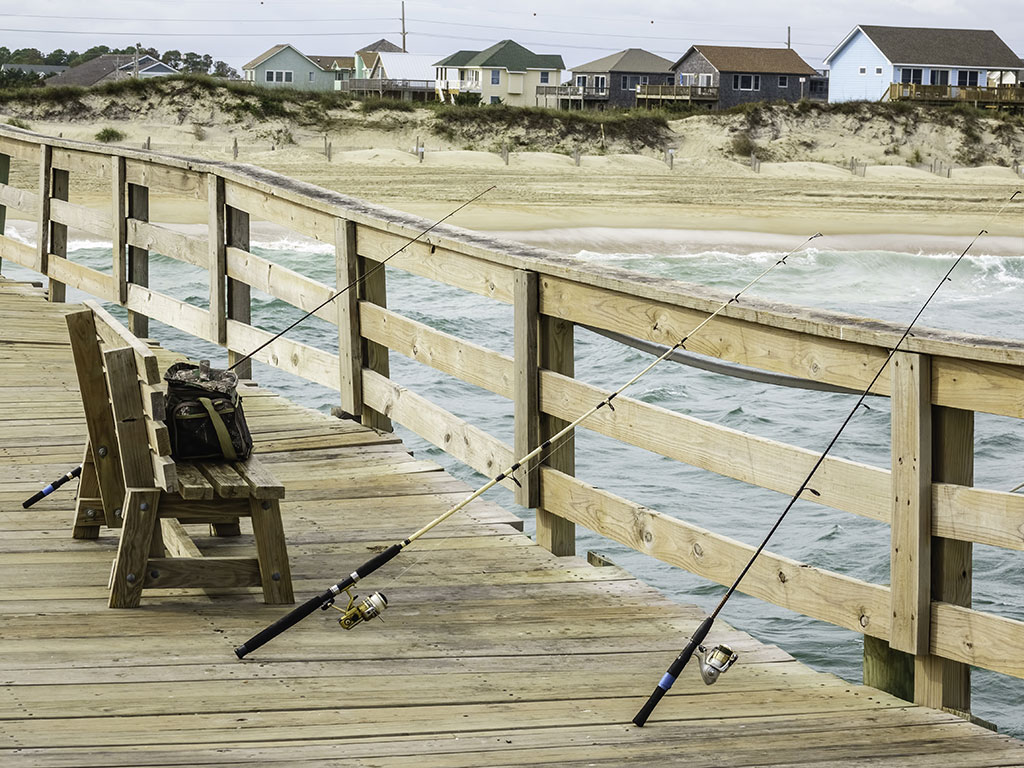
{"x": 52, "y": 487}
{"x": 645, "y": 711}
{"x": 287, "y": 621}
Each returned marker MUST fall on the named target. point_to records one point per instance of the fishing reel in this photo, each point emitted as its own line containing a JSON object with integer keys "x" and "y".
{"x": 714, "y": 662}
{"x": 356, "y": 613}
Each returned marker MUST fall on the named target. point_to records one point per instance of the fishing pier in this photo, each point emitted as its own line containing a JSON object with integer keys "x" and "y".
{"x": 497, "y": 649}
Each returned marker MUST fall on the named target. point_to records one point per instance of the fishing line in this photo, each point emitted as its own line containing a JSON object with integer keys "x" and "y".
{"x": 380, "y": 265}
{"x": 361, "y": 278}
{"x": 669, "y": 678}
{"x": 326, "y": 598}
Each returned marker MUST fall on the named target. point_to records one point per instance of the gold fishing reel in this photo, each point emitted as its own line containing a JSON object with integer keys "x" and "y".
{"x": 714, "y": 662}
{"x": 366, "y": 609}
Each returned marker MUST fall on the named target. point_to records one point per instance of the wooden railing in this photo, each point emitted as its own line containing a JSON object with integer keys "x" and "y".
{"x": 936, "y": 384}
{"x": 574, "y": 91}
{"x": 383, "y": 85}
{"x": 1002, "y": 95}
{"x": 681, "y": 92}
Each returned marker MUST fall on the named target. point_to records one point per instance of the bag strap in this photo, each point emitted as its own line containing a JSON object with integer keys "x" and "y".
{"x": 222, "y": 432}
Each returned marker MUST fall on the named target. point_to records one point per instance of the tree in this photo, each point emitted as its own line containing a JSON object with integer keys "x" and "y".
{"x": 5, "y": 54}
{"x": 58, "y": 57}
{"x": 15, "y": 78}
{"x": 193, "y": 63}
{"x": 92, "y": 53}
{"x": 27, "y": 56}
{"x": 221, "y": 69}
{"x": 171, "y": 58}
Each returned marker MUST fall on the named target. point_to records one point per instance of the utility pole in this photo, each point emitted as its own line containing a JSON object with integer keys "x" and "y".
{"x": 135, "y": 68}
{"x": 403, "y": 27}
{"x": 789, "y": 33}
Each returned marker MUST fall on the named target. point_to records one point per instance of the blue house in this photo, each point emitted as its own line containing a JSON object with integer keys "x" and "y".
{"x": 871, "y": 58}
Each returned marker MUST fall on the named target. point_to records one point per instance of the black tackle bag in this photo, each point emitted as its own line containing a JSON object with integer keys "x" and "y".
{"x": 204, "y": 414}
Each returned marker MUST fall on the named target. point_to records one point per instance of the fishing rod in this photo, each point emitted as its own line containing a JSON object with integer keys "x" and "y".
{"x": 52, "y": 487}
{"x": 718, "y": 660}
{"x": 361, "y": 278}
{"x": 380, "y": 265}
{"x": 357, "y": 612}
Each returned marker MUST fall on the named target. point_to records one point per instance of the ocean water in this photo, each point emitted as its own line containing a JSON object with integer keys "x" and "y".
{"x": 882, "y": 278}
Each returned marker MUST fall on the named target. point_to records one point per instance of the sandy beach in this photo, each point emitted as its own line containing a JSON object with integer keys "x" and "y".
{"x": 543, "y": 191}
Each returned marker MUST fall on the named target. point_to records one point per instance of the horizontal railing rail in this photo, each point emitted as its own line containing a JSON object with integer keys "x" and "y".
{"x": 938, "y": 381}
{"x": 690, "y": 92}
{"x": 996, "y": 94}
{"x": 383, "y": 84}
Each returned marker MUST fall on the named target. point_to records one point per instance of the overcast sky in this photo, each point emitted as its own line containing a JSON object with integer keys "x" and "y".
{"x": 239, "y": 30}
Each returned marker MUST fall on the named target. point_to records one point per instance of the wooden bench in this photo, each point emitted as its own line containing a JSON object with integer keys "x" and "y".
{"x": 129, "y": 480}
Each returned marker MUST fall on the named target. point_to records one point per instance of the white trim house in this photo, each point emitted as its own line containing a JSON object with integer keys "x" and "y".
{"x": 871, "y": 58}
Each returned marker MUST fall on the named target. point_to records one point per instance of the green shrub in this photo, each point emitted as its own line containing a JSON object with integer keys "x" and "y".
{"x": 17, "y": 122}
{"x": 742, "y": 145}
{"x": 108, "y": 135}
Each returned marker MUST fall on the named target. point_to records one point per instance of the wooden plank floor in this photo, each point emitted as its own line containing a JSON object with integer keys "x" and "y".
{"x": 493, "y": 652}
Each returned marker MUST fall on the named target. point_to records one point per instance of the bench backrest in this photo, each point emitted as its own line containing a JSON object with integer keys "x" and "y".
{"x": 123, "y": 397}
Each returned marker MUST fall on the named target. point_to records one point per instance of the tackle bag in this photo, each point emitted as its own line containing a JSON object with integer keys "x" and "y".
{"x": 204, "y": 414}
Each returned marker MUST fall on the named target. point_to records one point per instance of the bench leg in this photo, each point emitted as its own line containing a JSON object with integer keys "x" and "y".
{"x": 272, "y": 551}
{"x": 88, "y": 504}
{"x": 133, "y": 550}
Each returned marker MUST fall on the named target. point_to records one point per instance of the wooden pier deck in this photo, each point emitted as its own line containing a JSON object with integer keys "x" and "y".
{"x": 493, "y": 652}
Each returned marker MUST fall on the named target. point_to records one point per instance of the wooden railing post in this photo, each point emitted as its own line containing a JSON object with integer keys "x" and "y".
{"x": 43, "y": 221}
{"x": 554, "y": 533}
{"x": 119, "y": 236}
{"x": 5, "y": 176}
{"x": 526, "y": 387}
{"x": 59, "y": 190}
{"x": 373, "y": 288}
{"x": 239, "y": 307}
{"x": 138, "y": 258}
{"x": 911, "y": 556}
{"x": 937, "y": 679}
{"x": 350, "y": 346}
{"x": 218, "y": 259}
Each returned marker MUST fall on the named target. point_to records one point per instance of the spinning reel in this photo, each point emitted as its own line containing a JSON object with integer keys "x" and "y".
{"x": 714, "y": 662}
{"x": 356, "y": 613}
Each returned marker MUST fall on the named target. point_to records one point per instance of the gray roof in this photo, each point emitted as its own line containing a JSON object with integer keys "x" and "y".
{"x": 266, "y": 55}
{"x": 963, "y": 47}
{"x": 629, "y": 60}
{"x": 381, "y": 45}
{"x": 39, "y": 69}
{"x": 92, "y": 71}
{"x": 506, "y": 54}
{"x": 771, "y": 61}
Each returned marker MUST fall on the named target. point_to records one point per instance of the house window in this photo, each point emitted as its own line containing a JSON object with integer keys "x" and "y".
{"x": 967, "y": 78}
{"x": 495, "y": 77}
{"x": 746, "y": 82}
{"x": 863, "y": 70}
{"x": 704, "y": 80}
{"x": 630, "y": 82}
{"x": 914, "y": 76}
{"x": 279, "y": 75}
{"x": 685, "y": 79}
{"x": 600, "y": 83}
{"x": 312, "y": 76}
{"x": 939, "y": 77}
{"x": 878, "y": 70}
{"x": 270, "y": 76}
{"x": 545, "y": 77}
{"x": 783, "y": 81}
{"x": 495, "y": 99}
{"x": 581, "y": 81}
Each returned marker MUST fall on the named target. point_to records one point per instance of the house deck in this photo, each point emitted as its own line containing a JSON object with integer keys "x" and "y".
{"x": 493, "y": 651}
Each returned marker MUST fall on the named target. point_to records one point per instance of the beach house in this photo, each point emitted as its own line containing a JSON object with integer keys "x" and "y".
{"x": 366, "y": 57}
{"x": 610, "y": 81}
{"x": 284, "y": 66}
{"x": 719, "y": 76}
{"x": 876, "y": 63}
{"x": 505, "y": 73}
{"x": 395, "y": 75}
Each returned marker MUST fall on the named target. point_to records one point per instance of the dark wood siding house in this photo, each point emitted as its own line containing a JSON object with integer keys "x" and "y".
{"x": 612, "y": 81}
{"x": 744, "y": 75}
